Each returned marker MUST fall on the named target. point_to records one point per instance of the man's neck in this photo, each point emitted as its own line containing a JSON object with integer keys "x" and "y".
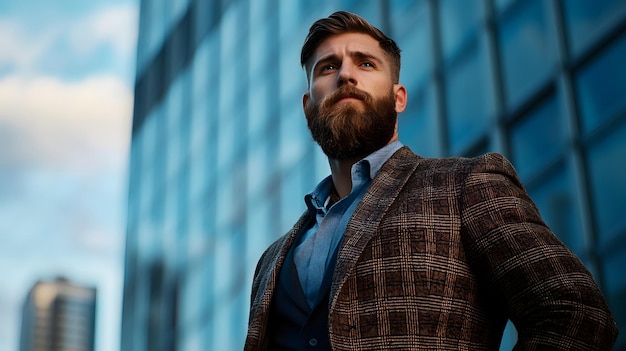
{"x": 341, "y": 171}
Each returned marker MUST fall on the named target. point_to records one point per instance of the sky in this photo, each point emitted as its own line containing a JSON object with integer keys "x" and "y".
{"x": 66, "y": 78}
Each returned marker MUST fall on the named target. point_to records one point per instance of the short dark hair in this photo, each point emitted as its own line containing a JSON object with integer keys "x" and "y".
{"x": 345, "y": 22}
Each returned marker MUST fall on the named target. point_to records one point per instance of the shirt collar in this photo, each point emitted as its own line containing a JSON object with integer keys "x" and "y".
{"x": 316, "y": 199}
{"x": 377, "y": 158}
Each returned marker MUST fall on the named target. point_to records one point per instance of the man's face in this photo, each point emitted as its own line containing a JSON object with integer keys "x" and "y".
{"x": 352, "y": 103}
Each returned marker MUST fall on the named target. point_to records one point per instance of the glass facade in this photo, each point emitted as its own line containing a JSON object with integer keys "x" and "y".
{"x": 221, "y": 156}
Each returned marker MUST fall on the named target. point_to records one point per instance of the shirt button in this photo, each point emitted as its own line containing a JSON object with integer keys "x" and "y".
{"x": 313, "y": 342}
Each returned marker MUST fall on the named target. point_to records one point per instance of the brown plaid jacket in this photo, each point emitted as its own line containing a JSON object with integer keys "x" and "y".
{"x": 437, "y": 256}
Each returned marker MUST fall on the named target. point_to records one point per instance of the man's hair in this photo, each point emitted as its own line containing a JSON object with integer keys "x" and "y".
{"x": 345, "y": 22}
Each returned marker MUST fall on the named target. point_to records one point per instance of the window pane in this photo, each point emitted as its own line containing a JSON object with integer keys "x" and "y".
{"x": 607, "y": 172}
{"x": 459, "y": 20}
{"x": 416, "y": 125}
{"x": 538, "y": 139}
{"x": 615, "y": 292}
{"x": 411, "y": 30}
{"x": 469, "y": 97}
{"x": 501, "y": 5}
{"x": 527, "y": 49}
{"x": 292, "y": 196}
{"x": 558, "y": 203}
{"x": 587, "y": 20}
{"x": 601, "y": 87}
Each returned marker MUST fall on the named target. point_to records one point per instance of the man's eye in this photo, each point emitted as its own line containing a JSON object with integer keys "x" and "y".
{"x": 367, "y": 64}
{"x": 328, "y": 68}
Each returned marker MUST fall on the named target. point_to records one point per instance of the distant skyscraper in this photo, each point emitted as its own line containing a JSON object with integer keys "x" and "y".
{"x": 58, "y": 316}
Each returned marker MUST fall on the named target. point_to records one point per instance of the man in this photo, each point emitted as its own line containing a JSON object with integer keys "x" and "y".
{"x": 397, "y": 251}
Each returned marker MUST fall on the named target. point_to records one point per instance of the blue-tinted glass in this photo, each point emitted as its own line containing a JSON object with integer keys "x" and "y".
{"x": 416, "y": 125}
{"x": 294, "y": 136}
{"x": 587, "y": 20}
{"x": 509, "y": 337}
{"x": 259, "y": 161}
{"x": 527, "y": 49}
{"x": 240, "y": 310}
{"x": 538, "y": 139}
{"x": 557, "y": 200}
{"x": 192, "y": 295}
{"x": 459, "y": 20}
{"x": 607, "y": 171}
{"x": 469, "y": 97}
{"x": 411, "y": 30}
{"x": 503, "y": 4}
{"x": 292, "y": 196}
{"x": 259, "y": 234}
{"x": 601, "y": 86}
{"x": 223, "y": 319}
{"x": 615, "y": 291}
{"x": 368, "y": 10}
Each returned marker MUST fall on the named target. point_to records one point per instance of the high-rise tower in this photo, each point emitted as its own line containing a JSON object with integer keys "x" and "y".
{"x": 59, "y": 316}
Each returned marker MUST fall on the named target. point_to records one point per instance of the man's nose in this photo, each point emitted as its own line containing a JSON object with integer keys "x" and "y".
{"x": 346, "y": 75}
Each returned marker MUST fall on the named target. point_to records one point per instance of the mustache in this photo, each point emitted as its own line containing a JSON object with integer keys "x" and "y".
{"x": 347, "y": 91}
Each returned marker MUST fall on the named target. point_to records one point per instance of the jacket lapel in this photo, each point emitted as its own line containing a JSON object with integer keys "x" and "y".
{"x": 381, "y": 193}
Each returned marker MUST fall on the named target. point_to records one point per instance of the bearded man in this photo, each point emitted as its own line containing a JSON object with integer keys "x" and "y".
{"x": 396, "y": 251}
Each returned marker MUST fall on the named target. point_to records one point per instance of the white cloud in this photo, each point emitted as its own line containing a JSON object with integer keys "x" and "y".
{"x": 67, "y": 41}
{"x": 81, "y": 125}
{"x": 15, "y": 53}
{"x": 114, "y": 26}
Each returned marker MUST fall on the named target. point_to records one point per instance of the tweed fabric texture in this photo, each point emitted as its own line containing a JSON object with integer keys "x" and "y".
{"x": 438, "y": 254}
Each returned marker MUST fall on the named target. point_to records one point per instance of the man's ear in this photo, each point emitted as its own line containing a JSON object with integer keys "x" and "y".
{"x": 401, "y": 97}
{"x": 305, "y": 100}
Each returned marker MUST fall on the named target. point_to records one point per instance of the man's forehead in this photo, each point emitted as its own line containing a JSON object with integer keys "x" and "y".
{"x": 348, "y": 43}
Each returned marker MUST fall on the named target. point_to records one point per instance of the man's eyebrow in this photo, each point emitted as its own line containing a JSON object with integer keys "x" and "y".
{"x": 359, "y": 55}
{"x": 365, "y": 56}
{"x": 324, "y": 59}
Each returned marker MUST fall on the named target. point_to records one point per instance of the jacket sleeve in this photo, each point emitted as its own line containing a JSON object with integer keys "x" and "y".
{"x": 545, "y": 289}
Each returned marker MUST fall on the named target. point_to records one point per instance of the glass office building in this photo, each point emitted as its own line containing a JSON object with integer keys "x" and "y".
{"x": 221, "y": 156}
{"x": 59, "y": 315}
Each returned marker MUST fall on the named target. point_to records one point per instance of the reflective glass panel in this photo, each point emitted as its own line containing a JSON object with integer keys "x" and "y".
{"x": 503, "y": 4}
{"x": 222, "y": 322}
{"x": 292, "y": 196}
{"x": 615, "y": 292}
{"x": 527, "y": 49}
{"x": 260, "y": 164}
{"x": 459, "y": 20}
{"x": 370, "y": 10}
{"x": 586, "y": 20}
{"x": 192, "y": 296}
{"x": 509, "y": 337}
{"x": 607, "y": 173}
{"x": 601, "y": 86}
{"x": 469, "y": 97}
{"x": 259, "y": 236}
{"x": 557, "y": 200}
{"x": 294, "y": 134}
{"x": 538, "y": 138}
{"x": 417, "y": 124}
{"x": 411, "y": 30}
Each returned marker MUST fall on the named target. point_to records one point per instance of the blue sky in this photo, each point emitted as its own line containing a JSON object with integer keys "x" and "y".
{"x": 66, "y": 77}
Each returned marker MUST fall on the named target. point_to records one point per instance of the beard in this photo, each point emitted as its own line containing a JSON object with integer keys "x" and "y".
{"x": 347, "y": 131}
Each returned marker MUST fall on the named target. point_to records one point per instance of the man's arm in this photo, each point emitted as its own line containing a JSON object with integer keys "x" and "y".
{"x": 549, "y": 295}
